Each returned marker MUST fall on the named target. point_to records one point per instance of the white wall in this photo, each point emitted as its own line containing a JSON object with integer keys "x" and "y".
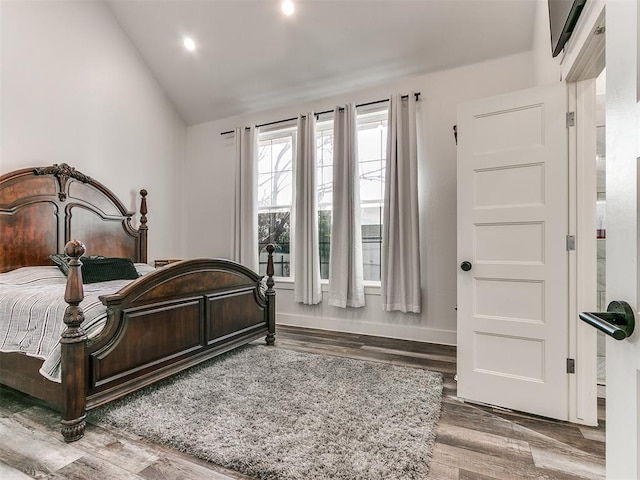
{"x": 209, "y": 193}
{"x": 546, "y": 69}
{"x": 74, "y": 90}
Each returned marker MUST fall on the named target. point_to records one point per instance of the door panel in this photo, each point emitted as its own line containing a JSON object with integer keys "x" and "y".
{"x": 513, "y": 300}
{"x": 521, "y": 185}
{"x": 512, "y": 227}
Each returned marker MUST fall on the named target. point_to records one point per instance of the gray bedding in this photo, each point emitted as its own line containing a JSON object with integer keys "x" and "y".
{"x": 32, "y": 308}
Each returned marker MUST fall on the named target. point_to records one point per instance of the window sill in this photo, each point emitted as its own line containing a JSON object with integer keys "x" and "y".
{"x": 370, "y": 288}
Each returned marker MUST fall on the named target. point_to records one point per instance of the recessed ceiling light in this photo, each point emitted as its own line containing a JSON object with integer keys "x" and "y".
{"x": 189, "y": 44}
{"x": 287, "y": 7}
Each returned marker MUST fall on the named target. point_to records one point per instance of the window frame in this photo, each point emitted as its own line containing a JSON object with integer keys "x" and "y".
{"x": 270, "y": 134}
{"x": 324, "y": 123}
{"x": 372, "y": 114}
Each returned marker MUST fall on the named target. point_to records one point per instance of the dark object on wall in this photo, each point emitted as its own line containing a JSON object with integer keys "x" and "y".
{"x": 563, "y": 16}
{"x": 455, "y": 133}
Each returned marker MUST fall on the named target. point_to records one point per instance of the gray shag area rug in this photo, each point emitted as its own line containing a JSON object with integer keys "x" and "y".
{"x": 280, "y": 414}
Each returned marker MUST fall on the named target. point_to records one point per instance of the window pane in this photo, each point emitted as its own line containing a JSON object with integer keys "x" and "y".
{"x": 371, "y": 181}
{"x": 264, "y": 189}
{"x": 282, "y": 156}
{"x": 369, "y": 144}
{"x": 324, "y": 234}
{"x": 324, "y": 145}
{"x": 275, "y": 227}
{"x": 324, "y": 182}
{"x": 283, "y": 190}
{"x": 264, "y": 157}
{"x": 325, "y": 185}
{"x": 275, "y": 198}
{"x": 372, "y": 241}
{"x": 324, "y": 148}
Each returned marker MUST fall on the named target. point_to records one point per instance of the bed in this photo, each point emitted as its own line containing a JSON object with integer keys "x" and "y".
{"x": 157, "y": 325}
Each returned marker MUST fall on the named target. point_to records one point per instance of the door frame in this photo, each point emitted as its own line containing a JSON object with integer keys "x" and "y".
{"x": 583, "y": 260}
{"x": 582, "y": 63}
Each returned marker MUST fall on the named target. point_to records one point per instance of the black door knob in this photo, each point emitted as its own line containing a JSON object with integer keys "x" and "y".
{"x": 466, "y": 266}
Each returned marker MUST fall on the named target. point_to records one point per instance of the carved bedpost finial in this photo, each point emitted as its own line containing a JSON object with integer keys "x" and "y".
{"x": 271, "y": 297}
{"x": 143, "y": 226}
{"x": 75, "y": 249}
{"x": 270, "y": 270}
{"x": 143, "y": 209}
{"x": 73, "y": 344}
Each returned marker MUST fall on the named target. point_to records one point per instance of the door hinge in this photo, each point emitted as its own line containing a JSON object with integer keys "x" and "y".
{"x": 571, "y": 242}
{"x": 571, "y": 119}
{"x": 571, "y": 365}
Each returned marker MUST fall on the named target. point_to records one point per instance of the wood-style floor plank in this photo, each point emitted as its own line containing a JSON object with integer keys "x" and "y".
{"x": 90, "y": 467}
{"x": 473, "y": 442}
{"x": 557, "y": 461}
{"x": 440, "y": 471}
{"x": 171, "y": 467}
{"x": 9, "y": 473}
{"x": 486, "y": 443}
{"x": 467, "y": 475}
{"x": 496, "y": 467}
{"x": 34, "y": 450}
{"x": 592, "y": 434}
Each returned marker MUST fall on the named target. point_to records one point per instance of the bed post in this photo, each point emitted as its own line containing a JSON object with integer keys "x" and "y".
{"x": 143, "y": 227}
{"x": 73, "y": 350}
{"x": 271, "y": 297}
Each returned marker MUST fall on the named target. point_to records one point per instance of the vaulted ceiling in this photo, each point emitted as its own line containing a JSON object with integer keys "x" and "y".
{"x": 250, "y": 57}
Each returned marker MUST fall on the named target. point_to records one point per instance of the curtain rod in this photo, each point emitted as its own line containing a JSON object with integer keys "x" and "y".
{"x": 417, "y": 95}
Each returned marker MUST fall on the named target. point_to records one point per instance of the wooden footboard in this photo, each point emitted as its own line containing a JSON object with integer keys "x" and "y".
{"x": 160, "y": 324}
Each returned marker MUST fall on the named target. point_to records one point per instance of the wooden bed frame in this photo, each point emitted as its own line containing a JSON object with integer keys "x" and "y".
{"x": 164, "y": 322}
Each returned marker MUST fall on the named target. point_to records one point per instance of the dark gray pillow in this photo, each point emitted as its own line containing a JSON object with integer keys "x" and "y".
{"x": 97, "y": 268}
{"x": 107, "y": 268}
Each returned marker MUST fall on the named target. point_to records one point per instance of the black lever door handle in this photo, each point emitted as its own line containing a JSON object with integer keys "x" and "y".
{"x": 617, "y": 322}
{"x": 466, "y": 266}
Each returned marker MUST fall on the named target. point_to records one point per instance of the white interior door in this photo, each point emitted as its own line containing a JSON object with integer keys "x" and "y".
{"x": 512, "y": 227}
{"x": 623, "y": 242}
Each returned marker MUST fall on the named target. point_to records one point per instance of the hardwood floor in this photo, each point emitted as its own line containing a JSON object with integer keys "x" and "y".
{"x": 473, "y": 442}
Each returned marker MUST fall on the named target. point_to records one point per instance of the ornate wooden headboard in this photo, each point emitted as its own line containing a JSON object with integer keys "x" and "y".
{"x": 42, "y": 208}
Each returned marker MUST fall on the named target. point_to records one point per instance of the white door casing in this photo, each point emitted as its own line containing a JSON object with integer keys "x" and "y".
{"x": 512, "y": 227}
{"x": 623, "y": 242}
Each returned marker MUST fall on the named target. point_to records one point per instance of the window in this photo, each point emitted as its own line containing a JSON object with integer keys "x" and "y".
{"x": 275, "y": 198}
{"x": 324, "y": 180}
{"x": 275, "y": 191}
{"x": 372, "y": 151}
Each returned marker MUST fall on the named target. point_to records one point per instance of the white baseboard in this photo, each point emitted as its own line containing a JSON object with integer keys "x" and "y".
{"x": 402, "y": 332}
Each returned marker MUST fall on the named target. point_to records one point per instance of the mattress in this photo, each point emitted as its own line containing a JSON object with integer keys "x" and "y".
{"x": 32, "y": 310}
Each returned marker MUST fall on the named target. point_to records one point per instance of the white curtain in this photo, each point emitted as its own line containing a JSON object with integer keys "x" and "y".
{"x": 401, "y": 236}
{"x": 346, "y": 279}
{"x": 245, "y": 236}
{"x": 307, "y": 288}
